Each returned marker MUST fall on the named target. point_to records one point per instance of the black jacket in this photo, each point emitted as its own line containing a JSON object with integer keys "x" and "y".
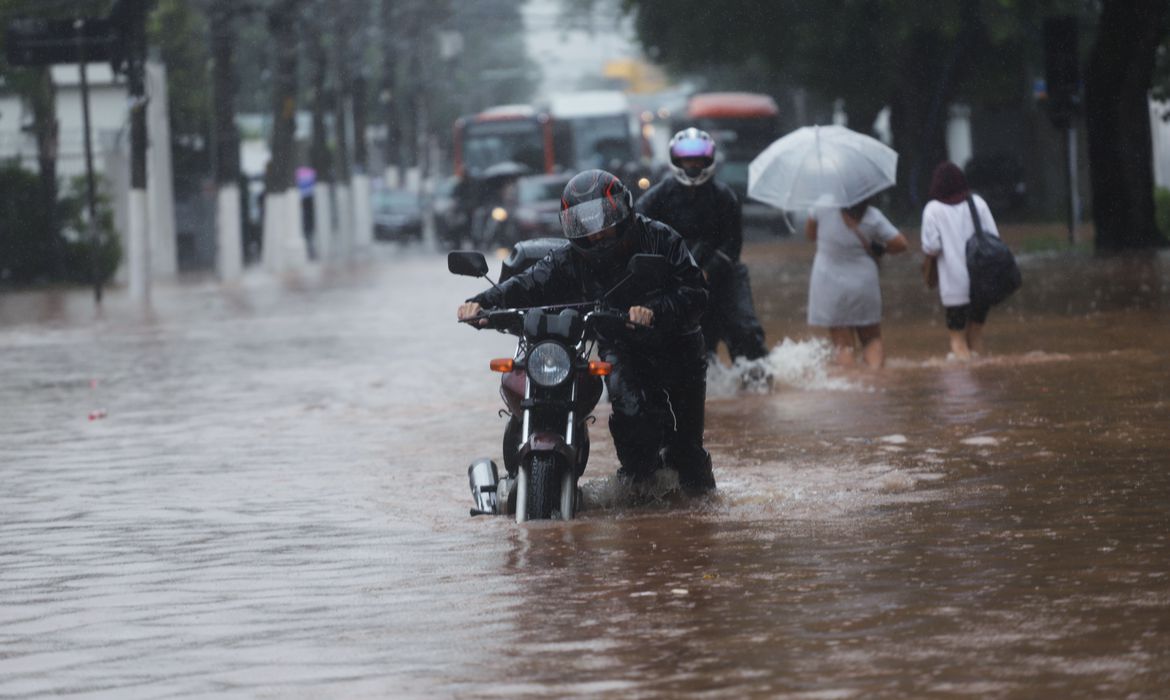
{"x": 707, "y": 216}
{"x": 563, "y": 277}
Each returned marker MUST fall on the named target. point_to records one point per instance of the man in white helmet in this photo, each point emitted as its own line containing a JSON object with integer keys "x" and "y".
{"x": 708, "y": 216}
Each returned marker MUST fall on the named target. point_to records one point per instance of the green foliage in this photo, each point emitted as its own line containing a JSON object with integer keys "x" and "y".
{"x": 27, "y": 248}
{"x": 179, "y": 31}
{"x": 1162, "y": 210}
{"x": 31, "y": 251}
{"x": 73, "y": 210}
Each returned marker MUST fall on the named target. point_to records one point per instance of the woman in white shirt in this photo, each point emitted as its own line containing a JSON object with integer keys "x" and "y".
{"x": 946, "y": 225}
{"x": 843, "y": 291}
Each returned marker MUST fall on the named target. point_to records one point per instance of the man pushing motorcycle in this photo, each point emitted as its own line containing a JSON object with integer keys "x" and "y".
{"x": 657, "y": 387}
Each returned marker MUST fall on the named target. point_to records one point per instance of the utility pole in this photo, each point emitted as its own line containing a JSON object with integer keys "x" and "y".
{"x": 1062, "y": 79}
{"x": 133, "y": 15}
{"x": 90, "y": 188}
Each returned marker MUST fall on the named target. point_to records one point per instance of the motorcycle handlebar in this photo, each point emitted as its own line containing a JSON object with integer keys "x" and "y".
{"x": 613, "y": 319}
{"x": 497, "y": 319}
{"x": 511, "y": 321}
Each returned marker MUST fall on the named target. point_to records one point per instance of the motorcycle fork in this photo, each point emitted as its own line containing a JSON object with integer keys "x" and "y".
{"x": 569, "y": 476}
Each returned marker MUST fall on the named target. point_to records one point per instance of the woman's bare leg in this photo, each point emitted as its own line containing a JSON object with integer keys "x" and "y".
{"x": 842, "y": 339}
{"x": 872, "y": 349}
{"x": 959, "y": 347}
{"x": 975, "y": 337}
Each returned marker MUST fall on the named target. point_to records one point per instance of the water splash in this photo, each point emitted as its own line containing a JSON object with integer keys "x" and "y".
{"x": 794, "y": 364}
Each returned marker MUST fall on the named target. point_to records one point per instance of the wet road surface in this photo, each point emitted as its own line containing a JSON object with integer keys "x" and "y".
{"x": 271, "y": 501}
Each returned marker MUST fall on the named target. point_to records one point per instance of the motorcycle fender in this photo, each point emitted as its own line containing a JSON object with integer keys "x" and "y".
{"x": 547, "y": 442}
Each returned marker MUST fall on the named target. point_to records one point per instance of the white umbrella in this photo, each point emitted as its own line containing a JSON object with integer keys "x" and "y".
{"x": 821, "y": 166}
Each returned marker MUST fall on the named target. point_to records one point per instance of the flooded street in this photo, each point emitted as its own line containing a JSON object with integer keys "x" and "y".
{"x": 271, "y": 500}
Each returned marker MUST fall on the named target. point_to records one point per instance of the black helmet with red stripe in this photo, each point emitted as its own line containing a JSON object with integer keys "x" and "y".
{"x": 596, "y": 213}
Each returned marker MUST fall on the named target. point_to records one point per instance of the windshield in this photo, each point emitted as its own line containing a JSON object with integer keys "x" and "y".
{"x": 488, "y": 143}
{"x": 599, "y": 141}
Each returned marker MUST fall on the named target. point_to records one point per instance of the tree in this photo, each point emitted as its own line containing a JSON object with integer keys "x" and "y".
{"x": 35, "y": 87}
{"x": 913, "y": 57}
{"x": 917, "y": 57}
{"x": 179, "y": 29}
{"x": 283, "y": 243}
{"x": 1118, "y": 78}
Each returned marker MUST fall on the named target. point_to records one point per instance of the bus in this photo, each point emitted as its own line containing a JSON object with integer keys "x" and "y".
{"x": 742, "y": 123}
{"x": 598, "y": 129}
{"x": 507, "y": 133}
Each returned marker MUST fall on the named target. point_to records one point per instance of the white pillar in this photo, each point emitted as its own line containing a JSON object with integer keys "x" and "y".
{"x": 959, "y": 149}
{"x": 229, "y": 255}
{"x": 323, "y": 224}
{"x": 413, "y": 179}
{"x": 164, "y": 259}
{"x": 275, "y": 222}
{"x": 363, "y": 218}
{"x": 138, "y": 248}
{"x": 344, "y": 236}
{"x": 296, "y": 251}
{"x": 391, "y": 177}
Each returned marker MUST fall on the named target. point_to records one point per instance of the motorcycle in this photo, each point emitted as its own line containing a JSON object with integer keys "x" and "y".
{"x": 550, "y": 387}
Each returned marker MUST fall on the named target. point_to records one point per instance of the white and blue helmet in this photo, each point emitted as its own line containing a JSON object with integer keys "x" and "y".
{"x": 697, "y": 144}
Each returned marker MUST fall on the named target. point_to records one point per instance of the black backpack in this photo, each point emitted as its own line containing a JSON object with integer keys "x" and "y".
{"x": 990, "y": 265}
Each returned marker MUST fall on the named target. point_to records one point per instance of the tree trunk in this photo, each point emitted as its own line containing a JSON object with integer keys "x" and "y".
{"x": 282, "y": 27}
{"x": 46, "y": 128}
{"x": 319, "y": 155}
{"x": 1117, "y": 82}
{"x": 361, "y": 157}
{"x": 224, "y": 85}
{"x": 284, "y": 244}
{"x": 390, "y": 92}
{"x": 228, "y": 220}
{"x": 918, "y": 119}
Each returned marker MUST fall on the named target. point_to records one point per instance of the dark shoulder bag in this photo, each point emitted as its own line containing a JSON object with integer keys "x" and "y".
{"x": 990, "y": 265}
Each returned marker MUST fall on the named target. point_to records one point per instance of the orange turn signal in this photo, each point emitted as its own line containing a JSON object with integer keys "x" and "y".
{"x": 501, "y": 364}
{"x": 600, "y": 369}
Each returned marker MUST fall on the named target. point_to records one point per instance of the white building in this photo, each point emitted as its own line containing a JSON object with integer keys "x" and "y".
{"x": 109, "y": 104}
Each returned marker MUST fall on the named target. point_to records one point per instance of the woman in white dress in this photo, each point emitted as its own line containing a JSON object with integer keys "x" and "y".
{"x": 947, "y": 223}
{"x": 843, "y": 293}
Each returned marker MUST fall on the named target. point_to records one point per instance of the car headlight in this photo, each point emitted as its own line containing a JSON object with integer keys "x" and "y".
{"x": 549, "y": 364}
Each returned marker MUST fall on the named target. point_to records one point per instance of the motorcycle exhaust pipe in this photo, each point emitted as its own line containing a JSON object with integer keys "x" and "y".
{"x": 484, "y": 477}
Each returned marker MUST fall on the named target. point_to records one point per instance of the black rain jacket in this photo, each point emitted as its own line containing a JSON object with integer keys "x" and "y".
{"x": 708, "y": 217}
{"x": 563, "y": 277}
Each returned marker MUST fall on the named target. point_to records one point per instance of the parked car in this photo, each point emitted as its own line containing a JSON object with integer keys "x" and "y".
{"x": 397, "y": 215}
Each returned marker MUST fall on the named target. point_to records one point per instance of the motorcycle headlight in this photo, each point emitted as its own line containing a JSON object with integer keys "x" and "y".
{"x": 549, "y": 364}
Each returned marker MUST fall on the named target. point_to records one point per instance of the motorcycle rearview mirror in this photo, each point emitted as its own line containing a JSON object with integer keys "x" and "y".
{"x": 468, "y": 263}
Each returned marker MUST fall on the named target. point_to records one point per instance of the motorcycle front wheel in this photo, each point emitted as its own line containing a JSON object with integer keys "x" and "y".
{"x": 543, "y": 488}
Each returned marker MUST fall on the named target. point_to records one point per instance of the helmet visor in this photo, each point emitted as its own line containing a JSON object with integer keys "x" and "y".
{"x": 693, "y": 148}
{"x": 596, "y": 215}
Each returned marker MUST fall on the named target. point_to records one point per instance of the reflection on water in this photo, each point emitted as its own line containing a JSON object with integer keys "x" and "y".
{"x": 274, "y": 503}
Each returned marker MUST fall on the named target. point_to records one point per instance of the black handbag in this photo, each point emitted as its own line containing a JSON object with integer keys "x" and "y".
{"x": 990, "y": 265}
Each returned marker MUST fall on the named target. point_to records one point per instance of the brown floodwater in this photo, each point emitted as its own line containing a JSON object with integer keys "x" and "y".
{"x": 271, "y": 501}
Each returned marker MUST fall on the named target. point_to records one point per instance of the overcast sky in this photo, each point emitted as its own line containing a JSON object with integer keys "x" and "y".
{"x": 565, "y": 55}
